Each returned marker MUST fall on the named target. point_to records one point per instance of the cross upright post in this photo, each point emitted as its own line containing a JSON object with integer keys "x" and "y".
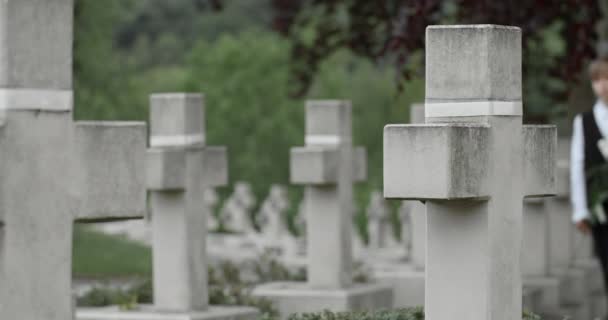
{"x": 473, "y": 163}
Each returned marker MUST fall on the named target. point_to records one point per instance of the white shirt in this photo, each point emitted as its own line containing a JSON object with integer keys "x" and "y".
{"x": 578, "y": 188}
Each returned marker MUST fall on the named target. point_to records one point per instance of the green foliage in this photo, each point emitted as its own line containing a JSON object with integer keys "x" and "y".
{"x": 416, "y": 313}
{"x": 98, "y": 255}
{"x": 243, "y": 71}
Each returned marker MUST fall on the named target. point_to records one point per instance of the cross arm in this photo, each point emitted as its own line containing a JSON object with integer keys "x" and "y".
{"x": 540, "y": 146}
{"x": 436, "y": 161}
{"x": 313, "y": 165}
{"x": 216, "y": 166}
{"x": 109, "y": 180}
{"x": 318, "y": 165}
{"x": 165, "y": 169}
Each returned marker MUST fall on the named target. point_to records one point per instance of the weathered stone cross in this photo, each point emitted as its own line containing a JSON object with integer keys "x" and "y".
{"x": 473, "y": 162}
{"x": 53, "y": 171}
{"x": 328, "y": 165}
{"x": 179, "y": 169}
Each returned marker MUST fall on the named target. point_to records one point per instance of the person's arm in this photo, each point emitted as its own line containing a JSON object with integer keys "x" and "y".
{"x": 578, "y": 192}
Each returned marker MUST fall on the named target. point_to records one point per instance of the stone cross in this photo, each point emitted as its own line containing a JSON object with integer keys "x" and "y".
{"x": 327, "y": 166}
{"x": 379, "y": 225}
{"x": 237, "y": 209}
{"x": 54, "y": 171}
{"x": 272, "y": 216}
{"x": 473, "y": 162}
{"x": 179, "y": 168}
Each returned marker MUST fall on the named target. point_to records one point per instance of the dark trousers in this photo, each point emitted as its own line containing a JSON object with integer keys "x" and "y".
{"x": 600, "y": 247}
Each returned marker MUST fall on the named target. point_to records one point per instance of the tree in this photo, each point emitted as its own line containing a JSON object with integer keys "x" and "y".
{"x": 392, "y": 31}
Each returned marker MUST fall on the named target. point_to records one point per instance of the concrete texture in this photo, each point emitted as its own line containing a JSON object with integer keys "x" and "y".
{"x": 292, "y": 297}
{"x": 110, "y": 178}
{"x": 540, "y": 144}
{"x": 488, "y": 63}
{"x": 36, "y": 37}
{"x": 439, "y": 161}
{"x": 149, "y": 313}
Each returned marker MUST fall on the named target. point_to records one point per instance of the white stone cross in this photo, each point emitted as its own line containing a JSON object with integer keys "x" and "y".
{"x": 473, "y": 162}
{"x": 179, "y": 168}
{"x": 237, "y": 209}
{"x": 328, "y": 165}
{"x": 54, "y": 171}
{"x": 379, "y": 224}
{"x": 272, "y": 218}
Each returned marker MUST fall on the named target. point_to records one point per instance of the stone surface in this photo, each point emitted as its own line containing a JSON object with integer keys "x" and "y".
{"x": 109, "y": 181}
{"x": 48, "y": 65}
{"x": 488, "y": 68}
{"x": 418, "y": 219}
{"x": 292, "y": 297}
{"x": 458, "y": 170}
{"x": 471, "y": 161}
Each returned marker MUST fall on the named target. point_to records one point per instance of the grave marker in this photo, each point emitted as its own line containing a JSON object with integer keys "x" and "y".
{"x": 54, "y": 171}
{"x": 473, "y": 162}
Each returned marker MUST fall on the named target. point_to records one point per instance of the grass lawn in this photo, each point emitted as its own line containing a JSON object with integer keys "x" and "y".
{"x": 98, "y": 255}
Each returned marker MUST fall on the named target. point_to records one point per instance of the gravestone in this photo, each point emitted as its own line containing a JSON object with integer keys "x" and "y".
{"x": 327, "y": 166}
{"x": 473, "y": 163}
{"x": 408, "y": 278}
{"x": 54, "y": 171}
{"x": 179, "y": 168}
{"x": 379, "y": 224}
{"x": 273, "y": 217}
{"x": 237, "y": 209}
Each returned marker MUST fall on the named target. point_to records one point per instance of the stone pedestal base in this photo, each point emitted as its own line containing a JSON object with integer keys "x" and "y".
{"x": 149, "y": 313}
{"x": 292, "y": 297}
{"x": 549, "y": 293}
{"x": 407, "y": 282}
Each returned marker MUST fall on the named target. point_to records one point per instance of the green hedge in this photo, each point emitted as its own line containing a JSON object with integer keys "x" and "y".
{"x": 416, "y": 313}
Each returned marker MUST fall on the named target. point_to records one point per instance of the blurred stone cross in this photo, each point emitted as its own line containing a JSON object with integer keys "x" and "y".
{"x": 180, "y": 168}
{"x": 473, "y": 163}
{"x": 328, "y": 165}
{"x": 54, "y": 171}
